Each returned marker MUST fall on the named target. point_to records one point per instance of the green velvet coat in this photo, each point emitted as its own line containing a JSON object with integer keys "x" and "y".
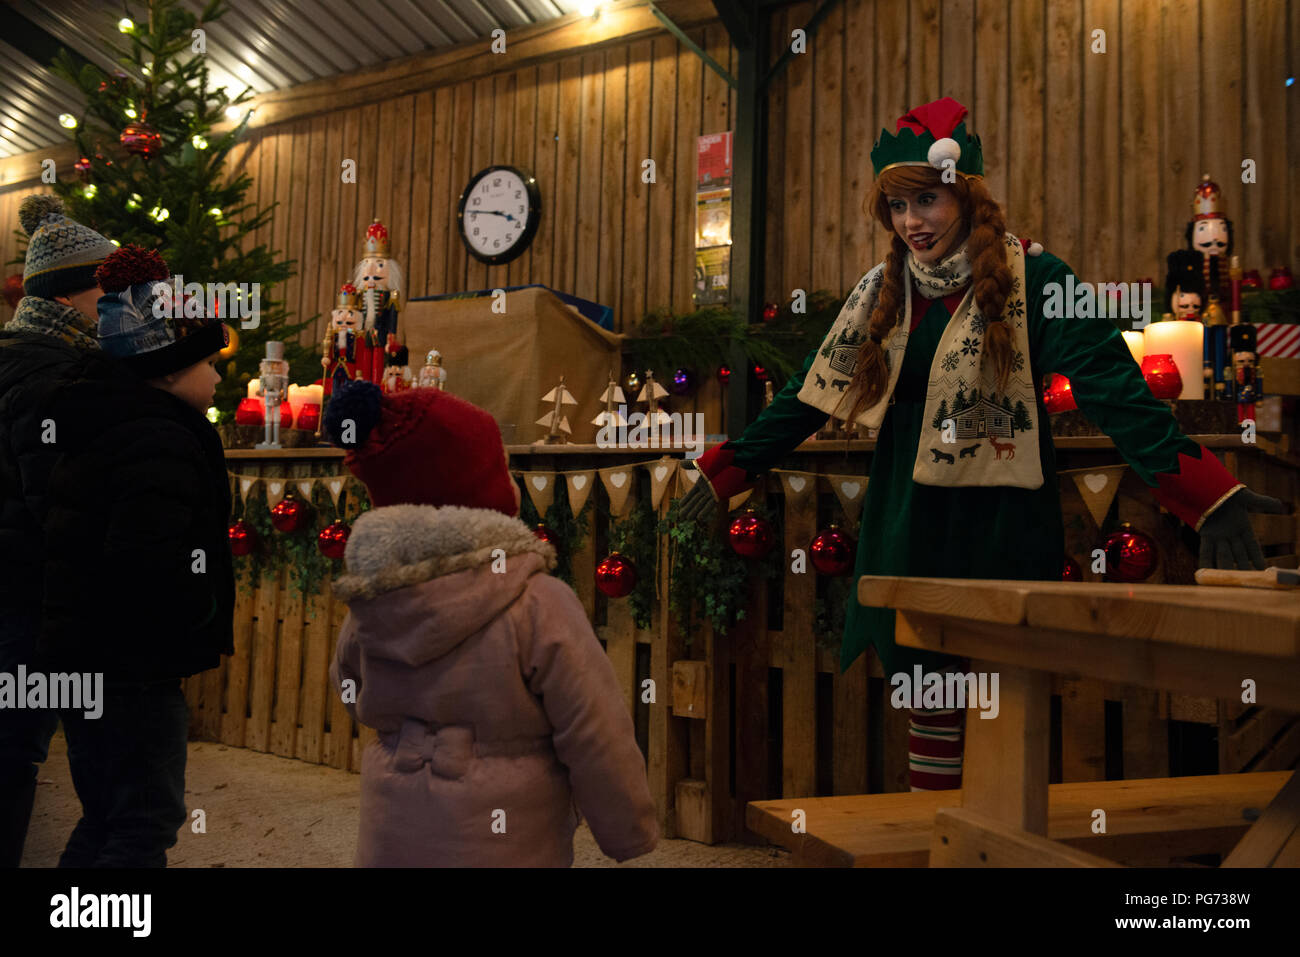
{"x": 975, "y": 532}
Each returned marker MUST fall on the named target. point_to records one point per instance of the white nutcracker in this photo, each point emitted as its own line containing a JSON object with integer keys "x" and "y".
{"x": 273, "y": 390}
{"x": 433, "y": 375}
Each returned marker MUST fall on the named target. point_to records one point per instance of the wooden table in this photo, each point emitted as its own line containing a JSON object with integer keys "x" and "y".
{"x": 1191, "y": 639}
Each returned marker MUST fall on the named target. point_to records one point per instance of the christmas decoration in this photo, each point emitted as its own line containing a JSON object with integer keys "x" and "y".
{"x": 1209, "y": 234}
{"x": 289, "y": 514}
{"x": 555, "y": 421}
{"x": 273, "y": 390}
{"x": 345, "y": 354}
{"x": 650, "y": 395}
{"x": 832, "y": 552}
{"x": 611, "y": 417}
{"x": 232, "y": 342}
{"x": 379, "y": 278}
{"x": 751, "y": 536}
{"x": 1162, "y": 376}
{"x": 1072, "y": 572}
{"x": 761, "y": 373}
{"x": 616, "y": 576}
{"x": 141, "y": 139}
{"x": 683, "y": 382}
{"x": 13, "y": 289}
{"x": 250, "y": 412}
{"x": 83, "y": 166}
{"x": 1131, "y": 556}
{"x": 769, "y": 311}
{"x": 1280, "y": 279}
{"x": 1252, "y": 280}
{"x": 175, "y": 101}
{"x": 333, "y": 539}
{"x": 547, "y": 535}
{"x": 243, "y": 538}
{"x": 724, "y": 375}
{"x": 1057, "y": 395}
{"x": 633, "y": 382}
{"x": 432, "y": 374}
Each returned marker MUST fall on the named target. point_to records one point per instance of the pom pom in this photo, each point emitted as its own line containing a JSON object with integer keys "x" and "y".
{"x": 359, "y": 401}
{"x": 35, "y": 211}
{"x": 130, "y": 266}
{"x": 944, "y": 149}
{"x": 1035, "y": 249}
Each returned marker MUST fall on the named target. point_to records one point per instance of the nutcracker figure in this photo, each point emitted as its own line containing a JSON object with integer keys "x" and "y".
{"x": 1209, "y": 233}
{"x": 397, "y": 371}
{"x": 273, "y": 387}
{"x": 379, "y": 280}
{"x": 345, "y": 354}
{"x": 1184, "y": 284}
{"x": 433, "y": 375}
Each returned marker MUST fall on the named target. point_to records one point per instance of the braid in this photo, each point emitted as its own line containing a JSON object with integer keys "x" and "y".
{"x": 991, "y": 275}
{"x": 871, "y": 374}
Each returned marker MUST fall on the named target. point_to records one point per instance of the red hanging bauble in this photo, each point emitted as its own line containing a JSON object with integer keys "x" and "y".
{"x": 546, "y": 535}
{"x": 1057, "y": 394}
{"x": 761, "y": 374}
{"x": 141, "y": 139}
{"x": 13, "y": 289}
{"x": 243, "y": 538}
{"x": 333, "y": 538}
{"x": 616, "y": 576}
{"x": 751, "y": 536}
{"x": 289, "y": 514}
{"x": 1072, "y": 572}
{"x": 770, "y": 311}
{"x": 832, "y": 552}
{"x": 82, "y": 166}
{"x": 724, "y": 374}
{"x": 1131, "y": 556}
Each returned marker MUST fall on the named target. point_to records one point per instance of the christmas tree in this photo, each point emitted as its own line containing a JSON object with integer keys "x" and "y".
{"x": 164, "y": 187}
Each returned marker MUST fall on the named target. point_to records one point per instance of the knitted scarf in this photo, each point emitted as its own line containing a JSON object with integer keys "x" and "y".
{"x": 970, "y": 433}
{"x": 50, "y": 318}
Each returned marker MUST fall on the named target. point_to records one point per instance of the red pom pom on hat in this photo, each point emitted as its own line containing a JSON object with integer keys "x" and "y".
{"x": 129, "y": 266}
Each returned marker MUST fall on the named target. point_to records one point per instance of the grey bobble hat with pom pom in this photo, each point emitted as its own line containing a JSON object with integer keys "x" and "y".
{"x": 62, "y": 255}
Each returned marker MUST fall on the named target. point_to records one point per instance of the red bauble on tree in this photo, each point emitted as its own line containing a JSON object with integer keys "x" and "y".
{"x": 724, "y": 374}
{"x": 333, "y": 538}
{"x": 832, "y": 552}
{"x": 769, "y": 311}
{"x": 243, "y": 538}
{"x": 616, "y": 576}
{"x": 547, "y": 535}
{"x": 1071, "y": 572}
{"x": 141, "y": 139}
{"x": 1131, "y": 556}
{"x": 751, "y": 536}
{"x": 289, "y": 514}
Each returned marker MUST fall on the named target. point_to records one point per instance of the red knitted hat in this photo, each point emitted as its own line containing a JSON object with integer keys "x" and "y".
{"x": 427, "y": 447}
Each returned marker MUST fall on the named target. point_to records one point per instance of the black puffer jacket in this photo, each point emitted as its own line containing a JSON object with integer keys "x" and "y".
{"x": 31, "y": 368}
{"x": 139, "y": 581}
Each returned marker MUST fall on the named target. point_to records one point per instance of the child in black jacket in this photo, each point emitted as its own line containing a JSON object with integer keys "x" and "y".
{"x": 139, "y": 584}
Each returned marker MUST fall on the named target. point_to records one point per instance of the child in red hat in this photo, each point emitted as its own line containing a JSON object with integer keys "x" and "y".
{"x": 499, "y": 715}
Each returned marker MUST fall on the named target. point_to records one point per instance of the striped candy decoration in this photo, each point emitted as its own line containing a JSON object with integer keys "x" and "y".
{"x": 1278, "y": 339}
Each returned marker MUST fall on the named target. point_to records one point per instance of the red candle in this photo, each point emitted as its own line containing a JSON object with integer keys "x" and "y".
{"x": 1057, "y": 394}
{"x": 1162, "y": 376}
{"x": 249, "y": 412}
{"x": 309, "y": 416}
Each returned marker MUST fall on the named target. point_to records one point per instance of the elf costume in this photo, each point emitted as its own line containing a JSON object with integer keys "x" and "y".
{"x": 986, "y": 506}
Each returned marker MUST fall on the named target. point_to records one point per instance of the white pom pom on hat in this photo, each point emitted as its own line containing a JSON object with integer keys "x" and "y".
{"x": 944, "y": 149}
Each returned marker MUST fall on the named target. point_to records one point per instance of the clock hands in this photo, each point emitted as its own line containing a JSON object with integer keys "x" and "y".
{"x": 491, "y": 212}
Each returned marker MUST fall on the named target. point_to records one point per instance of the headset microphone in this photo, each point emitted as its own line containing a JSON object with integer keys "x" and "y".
{"x": 934, "y": 242}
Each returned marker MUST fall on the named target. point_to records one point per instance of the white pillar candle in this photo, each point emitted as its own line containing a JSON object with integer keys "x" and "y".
{"x": 1134, "y": 342}
{"x": 1184, "y": 339}
{"x": 313, "y": 393}
{"x": 253, "y": 386}
{"x": 296, "y": 400}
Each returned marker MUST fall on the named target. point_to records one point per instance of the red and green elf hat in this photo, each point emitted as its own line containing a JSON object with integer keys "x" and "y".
{"x": 928, "y": 136}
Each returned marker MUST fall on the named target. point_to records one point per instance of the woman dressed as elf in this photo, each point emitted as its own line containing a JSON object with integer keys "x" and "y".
{"x": 943, "y": 346}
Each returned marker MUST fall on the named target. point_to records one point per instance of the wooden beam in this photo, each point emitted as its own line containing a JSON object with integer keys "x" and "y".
{"x": 962, "y": 838}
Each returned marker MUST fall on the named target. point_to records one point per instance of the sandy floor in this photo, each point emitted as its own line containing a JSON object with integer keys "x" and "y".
{"x": 267, "y": 811}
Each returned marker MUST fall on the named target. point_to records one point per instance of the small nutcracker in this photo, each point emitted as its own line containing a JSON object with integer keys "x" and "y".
{"x": 379, "y": 280}
{"x": 433, "y": 375}
{"x": 344, "y": 354}
{"x": 274, "y": 384}
{"x": 397, "y": 373}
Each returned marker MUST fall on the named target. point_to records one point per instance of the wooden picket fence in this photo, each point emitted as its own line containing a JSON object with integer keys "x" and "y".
{"x": 762, "y": 712}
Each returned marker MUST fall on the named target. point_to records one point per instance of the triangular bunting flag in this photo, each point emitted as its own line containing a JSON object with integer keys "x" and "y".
{"x": 797, "y": 485}
{"x": 618, "y": 484}
{"x": 335, "y": 485}
{"x": 246, "y": 483}
{"x": 661, "y": 475}
{"x": 541, "y": 490}
{"x": 580, "y": 486}
{"x": 275, "y": 489}
{"x": 851, "y": 490}
{"x": 1097, "y": 487}
{"x": 306, "y": 488}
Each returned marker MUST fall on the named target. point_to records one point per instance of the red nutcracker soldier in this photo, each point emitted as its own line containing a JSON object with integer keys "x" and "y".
{"x": 397, "y": 370}
{"x": 345, "y": 354}
{"x": 379, "y": 280}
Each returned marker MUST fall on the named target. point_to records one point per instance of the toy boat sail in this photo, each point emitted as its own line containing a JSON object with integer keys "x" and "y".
{"x": 651, "y": 393}
{"x": 555, "y": 420}
{"x": 613, "y": 394}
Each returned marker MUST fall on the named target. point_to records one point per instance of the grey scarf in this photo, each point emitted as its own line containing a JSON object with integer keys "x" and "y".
{"x": 50, "y": 318}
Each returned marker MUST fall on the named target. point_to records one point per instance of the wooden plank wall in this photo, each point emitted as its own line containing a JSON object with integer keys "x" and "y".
{"x": 1094, "y": 154}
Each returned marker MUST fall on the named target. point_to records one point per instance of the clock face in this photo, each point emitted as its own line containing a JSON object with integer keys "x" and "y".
{"x": 499, "y": 212}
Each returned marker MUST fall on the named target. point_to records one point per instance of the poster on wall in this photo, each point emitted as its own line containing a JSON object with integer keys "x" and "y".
{"x": 712, "y": 275}
{"x": 713, "y": 220}
{"x": 715, "y": 161}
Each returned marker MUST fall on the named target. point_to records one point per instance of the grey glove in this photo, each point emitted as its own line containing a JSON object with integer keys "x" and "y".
{"x": 699, "y": 504}
{"x": 1227, "y": 540}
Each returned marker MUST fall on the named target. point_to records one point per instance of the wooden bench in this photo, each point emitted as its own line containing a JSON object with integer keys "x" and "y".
{"x": 1147, "y": 822}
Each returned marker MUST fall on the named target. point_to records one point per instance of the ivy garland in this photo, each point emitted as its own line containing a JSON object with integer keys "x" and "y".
{"x": 707, "y": 575}
{"x": 830, "y": 611}
{"x": 570, "y": 530}
{"x": 636, "y": 538}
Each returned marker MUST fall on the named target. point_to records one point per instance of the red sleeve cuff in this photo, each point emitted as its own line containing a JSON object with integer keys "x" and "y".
{"x": 724, "y": 478}
{"x": 1197, "y": 488}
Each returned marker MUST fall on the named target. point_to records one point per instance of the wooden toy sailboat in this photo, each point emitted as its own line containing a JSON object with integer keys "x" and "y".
{"x": 651, "y": 393}
{"x": 613, "y": 394}
{"x": 555, "y": 420}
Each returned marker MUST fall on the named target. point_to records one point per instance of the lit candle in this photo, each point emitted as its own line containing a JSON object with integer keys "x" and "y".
{"x": 253, "y": 386}
{"x": 1134, "y": 342}
{"x": 297, "y": 397}
{"x": 1184, "y": 339}
{"x": 314, "y": 393}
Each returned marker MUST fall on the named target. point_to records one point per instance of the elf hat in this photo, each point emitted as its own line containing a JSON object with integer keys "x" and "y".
{"x": 929, "y": 135}
{"x": 151, "y": 341}
{"x": 420, "y": 447}
{"x": 62, "y": 255}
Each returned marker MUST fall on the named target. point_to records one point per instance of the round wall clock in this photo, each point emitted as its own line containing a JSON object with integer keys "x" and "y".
{"x": 498, "y": 214}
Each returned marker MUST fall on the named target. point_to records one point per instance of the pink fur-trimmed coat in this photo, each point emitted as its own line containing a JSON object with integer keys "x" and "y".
{"x": 499, "y": 715}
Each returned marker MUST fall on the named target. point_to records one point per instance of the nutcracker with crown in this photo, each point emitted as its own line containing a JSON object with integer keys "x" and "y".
{"x": 1209, "y": 233}
{"x": 345, "y": 354}
{"x": 379, "y": 279}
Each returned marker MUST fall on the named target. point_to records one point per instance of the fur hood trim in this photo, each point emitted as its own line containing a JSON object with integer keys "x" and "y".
{"x": 401, "y": 545}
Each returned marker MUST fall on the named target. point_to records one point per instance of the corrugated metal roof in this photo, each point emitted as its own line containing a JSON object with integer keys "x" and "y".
{"x": 262, "y": 44}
